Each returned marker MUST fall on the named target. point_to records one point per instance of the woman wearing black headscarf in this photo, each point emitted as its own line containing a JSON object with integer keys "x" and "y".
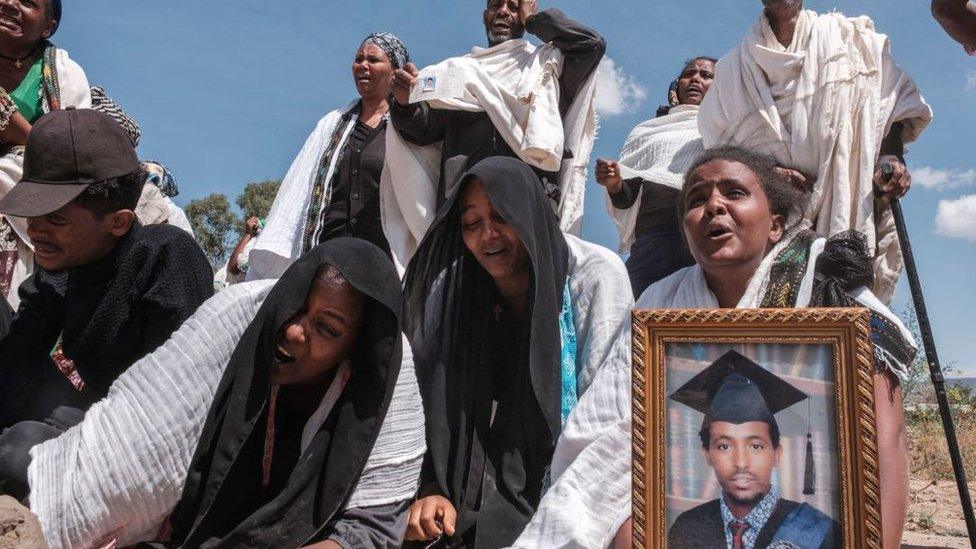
{"x": 298, "y": 410}
{"x": 332, "y": 188}
{"x": 509, "y": 320}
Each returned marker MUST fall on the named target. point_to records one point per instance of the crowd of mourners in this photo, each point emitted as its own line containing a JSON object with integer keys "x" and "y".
{"x": 415, "y": 348}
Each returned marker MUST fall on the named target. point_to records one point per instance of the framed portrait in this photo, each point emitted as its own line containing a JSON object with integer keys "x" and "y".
{"x": 754, "y": 428}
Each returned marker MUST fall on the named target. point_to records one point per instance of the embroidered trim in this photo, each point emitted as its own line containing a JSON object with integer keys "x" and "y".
{"x": 892, "y": 352}
{"x": 50, "y": 87}
{"x": 7, "y": 109}
{"x": 328, "y": 167}
{"x": 787, "y": 273}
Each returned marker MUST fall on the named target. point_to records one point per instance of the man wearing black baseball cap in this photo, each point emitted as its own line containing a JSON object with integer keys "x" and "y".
{"x": 106, "y": 292}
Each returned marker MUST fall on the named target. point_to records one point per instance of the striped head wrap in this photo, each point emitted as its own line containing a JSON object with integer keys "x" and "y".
{"x": 391, "y": 45}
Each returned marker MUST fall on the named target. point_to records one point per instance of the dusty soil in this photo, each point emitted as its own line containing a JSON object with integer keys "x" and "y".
{"x": 19, "y": 528}
{"x": 935, "y": 516}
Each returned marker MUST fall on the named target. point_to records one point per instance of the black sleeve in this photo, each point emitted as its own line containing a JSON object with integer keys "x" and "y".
{"x": 180, "y": 281}
{"x": 418, "y": 123}
{"x": 892, "y": 143}
{"x": 628, "y": 193}
{"x": 26, "y": 348}
{"x": 582, "y": 47}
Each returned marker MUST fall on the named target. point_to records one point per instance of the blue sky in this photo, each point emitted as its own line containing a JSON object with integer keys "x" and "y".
{"x": 227, "y": 91}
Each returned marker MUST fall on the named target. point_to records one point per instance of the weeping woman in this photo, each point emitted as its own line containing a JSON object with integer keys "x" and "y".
{"x": 333, "y": 187}
{"x": 742, "y": 221}
{"x": 510, "y": 320}
{"x": 314, "y": 434}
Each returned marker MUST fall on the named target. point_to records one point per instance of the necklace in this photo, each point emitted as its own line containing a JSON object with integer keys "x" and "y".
{"x": 18, "y": 61}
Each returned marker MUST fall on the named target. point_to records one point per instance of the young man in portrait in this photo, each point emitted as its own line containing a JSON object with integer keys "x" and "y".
{"x": 741, "y": 443}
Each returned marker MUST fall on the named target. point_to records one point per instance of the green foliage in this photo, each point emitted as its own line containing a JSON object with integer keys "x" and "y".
{"x": 214, "y": 225}
{"x": 217, "y": 227}
{"x": 257, "y": 197}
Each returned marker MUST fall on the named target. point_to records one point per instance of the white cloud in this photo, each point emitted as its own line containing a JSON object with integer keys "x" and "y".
{"x": 616, "y": 92}
{"x": 957, "y": 218}
{"x": 935, "y": 178}
{"x": 970, "y": 80}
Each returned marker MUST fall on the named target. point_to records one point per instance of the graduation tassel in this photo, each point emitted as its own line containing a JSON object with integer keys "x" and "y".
{"x": 809, "y": 471}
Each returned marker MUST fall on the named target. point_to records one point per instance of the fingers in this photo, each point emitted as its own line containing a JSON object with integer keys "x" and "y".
{"x": 411, "y": 69}
{"x": 450, "y": 518}
{"x": 414, "y": 533}
{"x": 429, "y": 518}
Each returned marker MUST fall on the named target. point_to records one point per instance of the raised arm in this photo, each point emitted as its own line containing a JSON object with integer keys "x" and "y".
{"x": 582, "y": 47}
{"x": 416, "y": 122}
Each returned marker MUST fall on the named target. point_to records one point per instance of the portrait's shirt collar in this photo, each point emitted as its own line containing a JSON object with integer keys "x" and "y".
{"x": 756, "y": 518}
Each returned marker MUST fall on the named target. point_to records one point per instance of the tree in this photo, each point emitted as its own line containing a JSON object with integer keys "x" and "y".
{"x": 214, "y": 226}
{"x": 256, "y": 198}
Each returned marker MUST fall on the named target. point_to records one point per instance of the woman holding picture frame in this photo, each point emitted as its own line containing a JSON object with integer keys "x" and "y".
{"x": 737, "y": 221}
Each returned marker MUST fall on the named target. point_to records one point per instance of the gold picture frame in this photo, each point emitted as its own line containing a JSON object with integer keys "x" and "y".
{"x": 846, "y": 331}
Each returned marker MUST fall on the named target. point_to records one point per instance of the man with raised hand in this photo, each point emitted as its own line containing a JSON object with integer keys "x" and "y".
{"x": 822, "y": 94}
{"x": 510, "y": 99}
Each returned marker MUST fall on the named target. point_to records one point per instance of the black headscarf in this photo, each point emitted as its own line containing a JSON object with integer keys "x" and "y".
{"x": 225, "y": 474}
{"x": 448, "y": 302}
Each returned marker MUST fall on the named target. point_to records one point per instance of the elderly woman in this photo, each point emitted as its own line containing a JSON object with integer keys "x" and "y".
{"x": 314, "y": 436}
{"x": 35, "y": 78}
{"x": 642, "y": 187}
{"x": 510, "y": 321}
{"x": 333, "y": 186}
{"x": 740, "y": 219}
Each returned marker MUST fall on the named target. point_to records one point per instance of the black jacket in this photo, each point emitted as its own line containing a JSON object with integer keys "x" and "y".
{"x": 702, "y": 527}
{"x": 107, "y": 314}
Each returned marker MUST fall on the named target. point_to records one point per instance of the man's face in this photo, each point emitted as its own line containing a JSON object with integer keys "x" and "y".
{"x": 73, "y": 236}
{"x": 502, "y": 21}
{"x": 743, "y": 458}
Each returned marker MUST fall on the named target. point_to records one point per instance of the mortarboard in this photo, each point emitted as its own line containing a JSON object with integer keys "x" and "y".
{"x": 736, "y": 390}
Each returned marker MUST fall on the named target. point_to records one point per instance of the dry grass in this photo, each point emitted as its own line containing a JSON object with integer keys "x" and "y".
{"x": 929, "y": 454}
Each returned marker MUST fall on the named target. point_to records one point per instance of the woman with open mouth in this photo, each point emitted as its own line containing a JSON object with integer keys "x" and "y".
{"x": 642, "y": 186}
{"x": 36, "y": 77}
{"x": 333, "y": 187}
{"x": 743, "y": 222}
{"x": 314, "y": 435}
{"x": 510, "y": 321}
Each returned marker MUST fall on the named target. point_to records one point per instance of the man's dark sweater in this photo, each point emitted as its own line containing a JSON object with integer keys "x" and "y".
{"x": 107, "y": 315}
{"x": 469, "y": 137}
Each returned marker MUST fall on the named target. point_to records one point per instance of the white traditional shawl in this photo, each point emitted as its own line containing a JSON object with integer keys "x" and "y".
{"x": 75, "y": 92}
{"x": 517, "y": 86}
{"x": 601, "y": 298}
{"x": 120, "y": 473}
{"x": 822, "y": 106}
{"x": 281, "y": 241}
{"x": 658, "y": 150}
{"x": 591, "y": 499}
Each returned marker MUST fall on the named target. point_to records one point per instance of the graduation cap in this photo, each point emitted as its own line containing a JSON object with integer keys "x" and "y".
{"x": 736, "y": 390}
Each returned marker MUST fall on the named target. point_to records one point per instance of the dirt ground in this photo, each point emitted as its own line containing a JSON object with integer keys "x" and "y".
{"x": 935, "y": 516}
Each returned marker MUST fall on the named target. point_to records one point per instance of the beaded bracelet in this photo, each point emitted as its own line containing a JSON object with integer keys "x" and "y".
{"x": 7, "y": 109}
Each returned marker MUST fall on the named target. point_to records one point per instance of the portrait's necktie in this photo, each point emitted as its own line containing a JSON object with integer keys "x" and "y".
{"x": 738, "y": 529}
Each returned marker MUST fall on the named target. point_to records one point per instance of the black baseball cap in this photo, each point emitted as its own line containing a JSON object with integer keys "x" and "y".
{"x": 66, "y": 152}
